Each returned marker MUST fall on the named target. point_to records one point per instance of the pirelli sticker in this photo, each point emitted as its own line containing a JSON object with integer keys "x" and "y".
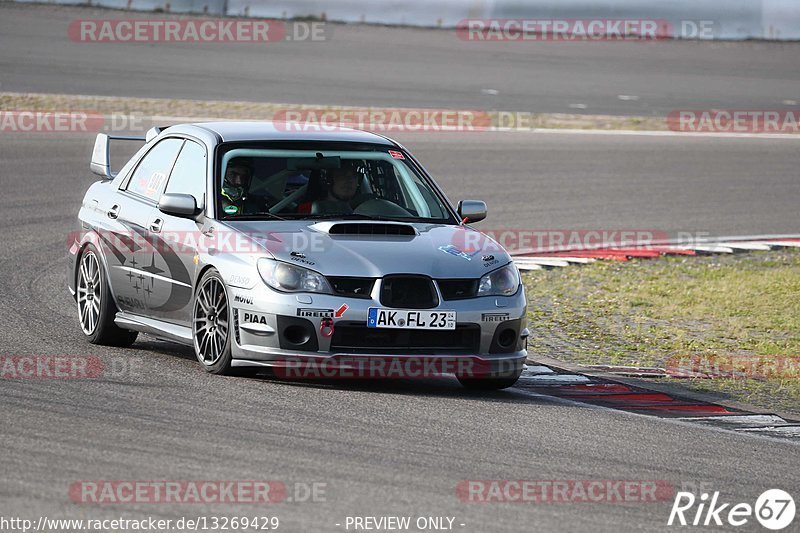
{"x": 315, "y": 313}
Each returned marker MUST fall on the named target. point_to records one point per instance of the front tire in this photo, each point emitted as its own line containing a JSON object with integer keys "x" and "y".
{"x": 96, "y": 309}
{"x": 211, "y": 321}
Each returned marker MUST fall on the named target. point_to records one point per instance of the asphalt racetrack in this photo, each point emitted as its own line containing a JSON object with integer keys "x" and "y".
{"x": 399, "y": 68}
{"x": 398, "y": 447}
{"x": 381, "y": 448}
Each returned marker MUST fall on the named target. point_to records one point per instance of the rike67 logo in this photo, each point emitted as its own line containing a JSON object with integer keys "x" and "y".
{"x": 774, "y": 509}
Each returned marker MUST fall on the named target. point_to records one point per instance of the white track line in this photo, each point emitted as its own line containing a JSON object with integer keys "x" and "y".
{"x": 753, "y": 246}
{"x": 792, "y": 431}
{"x": 541, "y": 261}
{"x": 540, "y": 379}
{"x": 532, "y": 370}
{"x": 689, "y": 424}
{"x": 566, "y": 131}
{"x": 744, "y": 420}
{"x": 544, "y": 260}
{"x": 525, "y": 266}
{"x": 787, "y": 244}
{"x": 709, "y": 248}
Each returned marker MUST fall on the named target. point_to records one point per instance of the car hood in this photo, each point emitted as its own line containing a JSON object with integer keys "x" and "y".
{"x": 364, "y": 249}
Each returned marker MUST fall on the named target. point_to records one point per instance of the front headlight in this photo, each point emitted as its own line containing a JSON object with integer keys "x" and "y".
{"x": 501, "y": 282}
{"x": 292, "y": 278}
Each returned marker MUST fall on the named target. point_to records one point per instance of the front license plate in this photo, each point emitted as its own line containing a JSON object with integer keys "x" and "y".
{"x": 410, "y": 319}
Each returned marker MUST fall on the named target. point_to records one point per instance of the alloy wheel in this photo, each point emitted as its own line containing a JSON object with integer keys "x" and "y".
{"x": 210, "y": 321}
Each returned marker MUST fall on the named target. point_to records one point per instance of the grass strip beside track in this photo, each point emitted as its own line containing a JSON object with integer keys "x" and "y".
{"x": 151, "y": 108}
{"x": 679, "y": 311}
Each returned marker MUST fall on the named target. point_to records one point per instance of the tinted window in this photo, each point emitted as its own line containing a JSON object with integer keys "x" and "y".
{"x": 189, "y": 174}
{"x": 151, "y": 174}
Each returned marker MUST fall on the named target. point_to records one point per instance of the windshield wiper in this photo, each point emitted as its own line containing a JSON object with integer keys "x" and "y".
{"x": 342, "y": 216}
{"x": 353, "y": 216}
{"x": 360, "y": 216}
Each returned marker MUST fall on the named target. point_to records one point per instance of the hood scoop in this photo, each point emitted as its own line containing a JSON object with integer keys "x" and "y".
{"x": 366, "y": 228}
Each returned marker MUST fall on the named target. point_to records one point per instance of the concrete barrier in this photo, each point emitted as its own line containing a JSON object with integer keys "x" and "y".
{"x": 727, "y": 19}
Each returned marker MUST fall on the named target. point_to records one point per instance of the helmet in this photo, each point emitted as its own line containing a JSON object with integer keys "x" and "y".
{"x": 237, "y": 178}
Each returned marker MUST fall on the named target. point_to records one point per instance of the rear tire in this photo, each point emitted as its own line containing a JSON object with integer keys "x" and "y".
{"x": 211, "y": 323}
{"x": 96, "y": 308}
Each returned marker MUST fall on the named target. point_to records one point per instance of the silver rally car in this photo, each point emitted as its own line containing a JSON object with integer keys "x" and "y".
{"x": 264, "y": 247}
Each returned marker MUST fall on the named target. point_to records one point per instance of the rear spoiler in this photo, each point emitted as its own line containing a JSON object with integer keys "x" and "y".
{"x": 101, "y": 157}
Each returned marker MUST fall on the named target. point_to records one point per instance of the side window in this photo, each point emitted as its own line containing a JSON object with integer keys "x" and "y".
{"x": 152, "y": 172}
{"x": 189, "y": 174}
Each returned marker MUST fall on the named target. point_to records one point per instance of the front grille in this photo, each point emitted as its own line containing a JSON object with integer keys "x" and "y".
{"x": 458, "y": 289}
{"x": 408, "y": 292}
{"x": 356, "y": 337}
{"x": 352, "y": 287}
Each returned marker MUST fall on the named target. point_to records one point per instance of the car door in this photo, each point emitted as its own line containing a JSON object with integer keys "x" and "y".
{"x": 137, "y": 203}
{"x": 173, "y": 267}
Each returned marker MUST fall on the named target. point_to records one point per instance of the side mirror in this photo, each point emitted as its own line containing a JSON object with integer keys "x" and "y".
{"x": 178, "y": 204}
{"x": 472, "y": 210}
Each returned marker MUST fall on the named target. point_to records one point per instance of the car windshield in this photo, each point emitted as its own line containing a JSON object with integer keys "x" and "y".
{"x": 381, "y": 184}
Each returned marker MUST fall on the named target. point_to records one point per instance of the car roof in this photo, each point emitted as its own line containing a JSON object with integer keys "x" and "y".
{"x": 270, "y": 131}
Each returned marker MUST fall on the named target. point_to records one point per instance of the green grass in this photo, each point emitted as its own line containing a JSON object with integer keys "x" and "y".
{"x": 648, "y": 312}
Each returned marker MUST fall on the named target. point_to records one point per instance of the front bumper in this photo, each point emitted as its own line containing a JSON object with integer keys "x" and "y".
{"x": 290, "y": 331}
